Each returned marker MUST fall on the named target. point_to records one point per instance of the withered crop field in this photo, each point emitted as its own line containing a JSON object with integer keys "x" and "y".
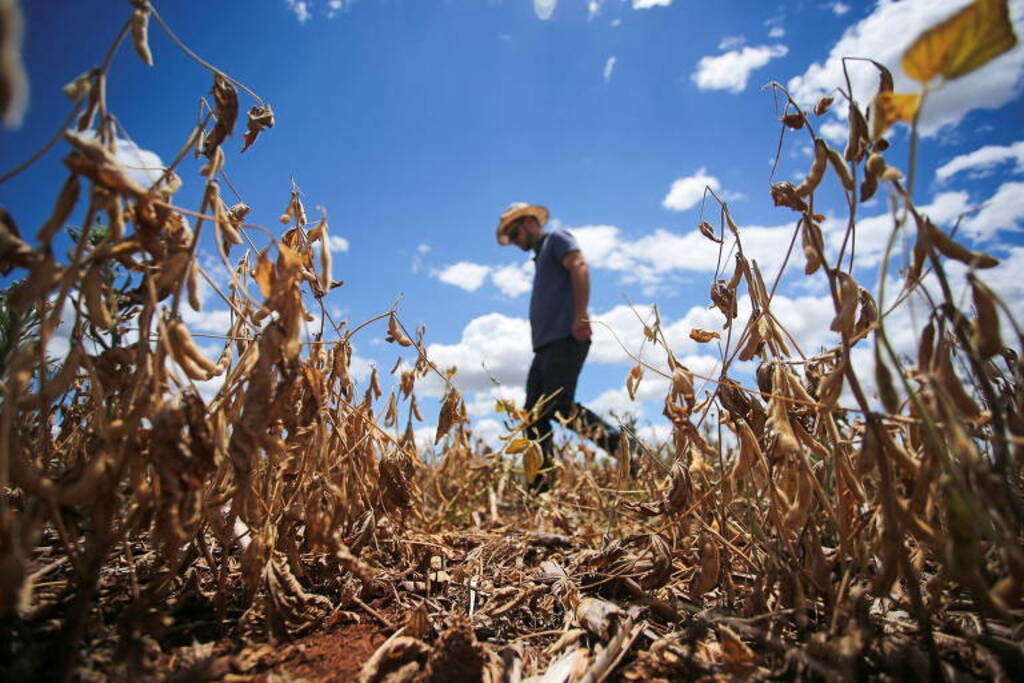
{"x": 288, "y": 528}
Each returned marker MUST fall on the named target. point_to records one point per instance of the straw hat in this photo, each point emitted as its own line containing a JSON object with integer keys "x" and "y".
{"x": 518, "y": 210}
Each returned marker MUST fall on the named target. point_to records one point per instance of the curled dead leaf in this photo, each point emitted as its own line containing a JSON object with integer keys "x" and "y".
{"x": 702, "y": 336}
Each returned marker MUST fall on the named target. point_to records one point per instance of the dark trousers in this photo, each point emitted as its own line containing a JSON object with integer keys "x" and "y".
{"x": 555, "y": 368}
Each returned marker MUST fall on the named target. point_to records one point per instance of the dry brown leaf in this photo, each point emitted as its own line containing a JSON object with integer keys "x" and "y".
{"x": 264, "y": 274}
{"x": 702, "y": 336}
{"x": 739, "y": 658}
{"x": 633, "y": 381}
{"x": 225, "y": 98}
{"x": 395, "y": 333}
{"x": 260, "y": 117}
{"x": 823, "y": 105}
{"x": 794, "y": 120}
{"x": 708, "y": 231}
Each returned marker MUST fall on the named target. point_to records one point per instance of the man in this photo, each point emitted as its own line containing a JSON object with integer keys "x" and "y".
{"x": 560, "y": 329}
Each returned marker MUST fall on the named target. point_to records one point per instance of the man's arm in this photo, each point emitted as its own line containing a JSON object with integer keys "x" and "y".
{"x": 580, "y": 278}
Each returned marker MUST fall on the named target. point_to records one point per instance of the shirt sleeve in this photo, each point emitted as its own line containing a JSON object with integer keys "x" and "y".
{"x": 562, "y": 242}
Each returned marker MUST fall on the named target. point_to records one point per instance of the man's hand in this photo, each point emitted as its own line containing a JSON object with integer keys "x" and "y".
{"x": 580, "y": 278}
{"x": 581, "y": 329}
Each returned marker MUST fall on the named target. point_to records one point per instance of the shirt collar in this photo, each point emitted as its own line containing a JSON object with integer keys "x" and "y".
{"x": 540, "y": 245}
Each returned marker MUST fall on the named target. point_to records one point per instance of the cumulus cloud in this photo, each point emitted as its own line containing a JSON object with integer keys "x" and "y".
{"x": 983, "y": 159}
{"x": 731, "y": 42}
{"x": 464, "y": 274}
{"x": 835, "y": 132}
{"x": 775, "y": 27}
{"x": 686, "y": 193}
{"x": 731, "y": 71}
{"x": 513, "y": 280}
{"x": 301, "y": 8}
{"x": 143, "y": 166}
{"x": 544, "y": 8}
{"x": 609, "y": 66}
{"x": 873, "y": 231}
{"x": 648, "y": 4}
{"x": 616, "y": 402}
{"x": 1004, "y": 211}
{"x": 492, "y": 345}
{"x": 337, "y": 243}
{"x": 839, "y": 8}
{"x": 649, "y": 258}
{"x": 884, "y": 35}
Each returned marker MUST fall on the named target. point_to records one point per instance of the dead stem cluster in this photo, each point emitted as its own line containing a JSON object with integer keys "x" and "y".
{"x": 147, "y": 532}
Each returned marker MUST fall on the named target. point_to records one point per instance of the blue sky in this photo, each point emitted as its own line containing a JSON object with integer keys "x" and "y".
{"x": 416, "y": 123}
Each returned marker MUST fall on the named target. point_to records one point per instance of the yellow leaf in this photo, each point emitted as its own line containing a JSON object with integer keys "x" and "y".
{"x": 532, "y": 461}
{"x": 264, "y": 274}
{"x": 890, "y": 107}
{"x": 957, "y": 46}
{"x": 702, "y": 336}
{"x": 517, "y": 446}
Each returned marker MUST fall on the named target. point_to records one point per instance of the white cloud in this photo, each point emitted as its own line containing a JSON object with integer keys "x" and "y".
{"x": 337, "y": 243}
{"x": 544, "y": 8}
{"x": 593, "y": 9}
{"x": 884, "y": 35}
{"x": 466, "y": 275}
{"x": 333, "y": 7}
{"x": 777, "y": 32}
{"x": 983, "y": 159}
{"x": 301, "y": 9}
{"x": 617, "y": 402}
{"x": 873, "y": 231}
{"x": 144, "y": 166}
{"x": 649, "y": 258}
{"x": 609, "y": 66}
{"x": 513, "y": 280}
{"x": 423, "y": 248}
{"x": 687, "y": 192}
{"x": 730, "y": 71}
{"x": 493, "y": 345}
{"x": 836, "y": 132}
{"x": 1004, "y": 211}
{"x": 730, "y": 42}
{"x": 839, "y": 8}
{"x": 648, "y": 4}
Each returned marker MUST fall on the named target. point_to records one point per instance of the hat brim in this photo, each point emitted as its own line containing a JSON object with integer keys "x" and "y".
{"x": 535, "y": 210}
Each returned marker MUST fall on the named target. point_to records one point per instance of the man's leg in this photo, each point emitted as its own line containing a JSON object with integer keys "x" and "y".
{"x": 585, "y": 422}
{"x": 540, "y": 430}
{"x": 589, "y": 424}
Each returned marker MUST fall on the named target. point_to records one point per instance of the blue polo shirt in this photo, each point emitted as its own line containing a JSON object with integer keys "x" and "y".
{"x": 551, "y": 301}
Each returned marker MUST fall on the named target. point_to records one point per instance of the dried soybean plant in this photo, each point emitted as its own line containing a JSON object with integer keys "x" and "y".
{"x": 170, "y": 511}
{"x": 113, "y": 460}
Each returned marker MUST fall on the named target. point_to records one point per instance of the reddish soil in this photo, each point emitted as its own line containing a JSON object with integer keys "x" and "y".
{"x": 336, "y": 655}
